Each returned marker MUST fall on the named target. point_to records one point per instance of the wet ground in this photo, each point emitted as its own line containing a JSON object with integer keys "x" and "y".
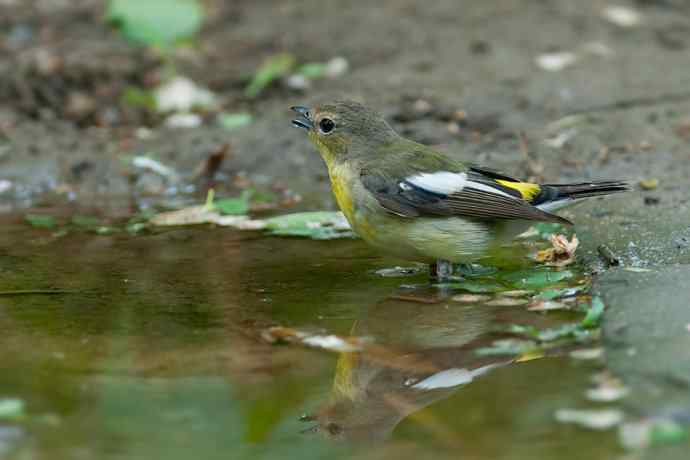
{"x": 154, "y": 344}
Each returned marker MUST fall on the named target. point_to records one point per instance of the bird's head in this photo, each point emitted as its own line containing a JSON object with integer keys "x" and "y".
{"x": 344, "y": 130}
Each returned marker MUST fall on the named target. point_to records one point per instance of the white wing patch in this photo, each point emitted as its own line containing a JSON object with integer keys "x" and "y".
{"x": 442, "y": 182}
{"x": 447, "y": 183}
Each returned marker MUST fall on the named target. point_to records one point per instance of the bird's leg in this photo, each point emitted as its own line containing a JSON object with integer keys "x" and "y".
{"x": 441, "y": 270}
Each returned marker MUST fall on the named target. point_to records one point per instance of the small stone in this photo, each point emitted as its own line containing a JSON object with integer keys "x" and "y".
{"x": 622, "y": 16}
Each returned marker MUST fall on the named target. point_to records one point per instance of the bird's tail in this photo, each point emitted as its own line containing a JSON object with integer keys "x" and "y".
{"x": 555, "y": 196}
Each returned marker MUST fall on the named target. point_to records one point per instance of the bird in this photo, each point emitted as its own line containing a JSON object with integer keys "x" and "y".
{"x": 417, "y": 203}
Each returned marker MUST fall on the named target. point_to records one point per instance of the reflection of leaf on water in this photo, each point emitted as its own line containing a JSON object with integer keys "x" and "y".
{"x": 11, "y": 408}
{"x": 535, "y": 279}
{"x": 595, "y": 419}
{"x": 474, "y": 287}
{"x": 41, "y": 221}
{"x": 508, "y": 347}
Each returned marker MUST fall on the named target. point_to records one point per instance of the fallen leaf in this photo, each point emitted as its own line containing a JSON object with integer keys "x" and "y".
{"x": 587, "y": 353}
{"x": 561, "y": 253}
{"x": 516, "y": 293}
{"x": 11, "y": 408}
{"x": 647, "y": 432}
{"x": 327, "y": 342}
{"x": 470, "y": 298}
{"x": 41, "y": 221}
{"x": 555, "y": 62}
{"x": 649, "y": 184}
{"x": 508, "y": 347}
{"x": 156, "y": 22}
{"x": 506, "y": 302}
{"x": 232, "y": 121}
{"x": 535, "y": 278}
{"x": 622, "y": 16}
{"x": 547, "y": 305}
{"x": 602, "y": 419}
{"x": 182, "y": 95}
{"x": 273, "y": 68}
{"x": 594, "y": 313}
{"x": 608, "y": 393}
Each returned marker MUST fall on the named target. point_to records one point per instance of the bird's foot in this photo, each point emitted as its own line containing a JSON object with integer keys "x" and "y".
{"x": 442, "y": 272}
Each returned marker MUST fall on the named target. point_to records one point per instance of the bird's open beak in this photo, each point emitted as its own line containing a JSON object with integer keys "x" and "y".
{"x": 304, "y": 119}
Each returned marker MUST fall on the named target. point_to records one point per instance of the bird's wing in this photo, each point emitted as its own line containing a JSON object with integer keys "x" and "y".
{"x": 476, "y": 193}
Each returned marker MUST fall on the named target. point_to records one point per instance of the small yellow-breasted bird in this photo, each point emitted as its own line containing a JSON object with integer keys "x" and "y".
{"x": 419, "y": 204}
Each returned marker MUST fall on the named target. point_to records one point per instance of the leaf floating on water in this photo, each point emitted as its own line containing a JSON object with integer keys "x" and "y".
{"x": 506, "y": 302}
{"x": 602, "y": 419}
{"x": 508, "y": 347}
{"x": 11, "y": 408}
{"x": 547, "y": 305}
{"x": 470, "y": 298}
{"x": 650, "y": 432}
{"x": 473, "y": 287}
{"x": 398, "y": 272}
{"x": 536, "y": 279}
{"x": 594, "y": 314}
{"x": 587, "y": 353}
{"x": 552, "y": 294}
{"x": 327, "y": 342}
{"x": 319, "y": 225}
{"x": 516, "y": 293}
{"x": 41, "y": 221}
{"x": 561, "y": 253}
{"x": 607, "y": 393}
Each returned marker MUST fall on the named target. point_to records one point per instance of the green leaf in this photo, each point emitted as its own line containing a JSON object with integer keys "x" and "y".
{"x": 138, "y": 97}
{"x": 11, "y": 408}
{"x": 594, "y": 313}
{"x": 473, "y": 287}
{"x": 546, "y": 229}
{"x": 508, "y": 347}
{"x": 273, "y": 68}
{"x": 161, "y": 23}
{"x": 232, "y": 121}
{"x": 313, "y": 70}
{"x": 668, "y": 431}
{"x": 86, "y": 221}
{"x": 319, "y": 225}
{"x": 536, "y": 279}
{"x": 41, "y": 221}
{"x": 234, "y": 206}
{"x": 551, "y": 294}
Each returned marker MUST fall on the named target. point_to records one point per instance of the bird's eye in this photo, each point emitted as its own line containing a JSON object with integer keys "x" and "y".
{"x": 326, "y": 125}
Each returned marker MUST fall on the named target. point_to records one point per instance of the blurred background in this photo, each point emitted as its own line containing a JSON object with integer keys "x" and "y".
{"x": 595, "y": 86}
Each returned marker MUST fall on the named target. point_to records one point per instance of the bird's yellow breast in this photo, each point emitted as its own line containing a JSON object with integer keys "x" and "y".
{"x": 341, "y": 183}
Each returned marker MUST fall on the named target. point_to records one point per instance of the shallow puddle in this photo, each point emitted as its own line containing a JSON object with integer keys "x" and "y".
{"x": 152, "y": 346}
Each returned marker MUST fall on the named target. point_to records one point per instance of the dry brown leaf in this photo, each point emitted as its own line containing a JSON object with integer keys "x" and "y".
{"x": 561, "y": 253}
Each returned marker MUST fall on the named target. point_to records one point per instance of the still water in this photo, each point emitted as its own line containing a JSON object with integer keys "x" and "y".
{"x": 153, "y": 349}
